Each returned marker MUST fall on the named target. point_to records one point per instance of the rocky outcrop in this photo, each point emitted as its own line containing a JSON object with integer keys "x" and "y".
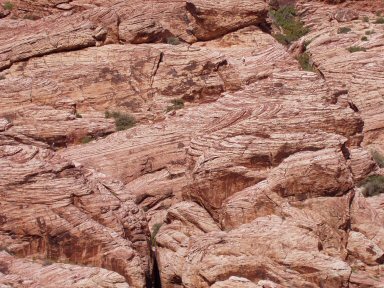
{"x": 245, "y": 168}
{"x": 133, "y": 22}
{"x": 16, "y": 272}
{"x": 354, "y": 75}
{"x": 51, "y": 209}
{"x": 141, "y": 80}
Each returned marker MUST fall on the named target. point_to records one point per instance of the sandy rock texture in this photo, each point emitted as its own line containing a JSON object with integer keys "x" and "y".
{"x": 243, "y": 170}
{"x": 52, "y": 209}
{"x": 355, "y": 76}
{"x": 16, "y": 272}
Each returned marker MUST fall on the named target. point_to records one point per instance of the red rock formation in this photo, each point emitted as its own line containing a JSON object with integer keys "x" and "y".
{"x": 255, "y": 182}
{"x": 16, "y": 272}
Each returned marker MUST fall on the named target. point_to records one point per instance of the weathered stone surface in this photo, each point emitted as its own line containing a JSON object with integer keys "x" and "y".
{"x": 218, "y": 255}
{"x": 128, "y": 22}
{"x": 254, "y": 181}
{"x": 238, "y": 282}
{"x": 51, "y": 209}
{"x": 183, "y": 220}
{"x": 141, "y": 80}
{"x": 345, "y": 15}
{"x": 4, "y": 12}
{"x": 214, "y": 19}
{"x": 16, "y": 272}
{"x": 357, "y": 75}
{"x": 229, "y": 150}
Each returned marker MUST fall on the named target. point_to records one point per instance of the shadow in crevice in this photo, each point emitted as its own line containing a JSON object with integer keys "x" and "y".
{"x": 156, "y": 281}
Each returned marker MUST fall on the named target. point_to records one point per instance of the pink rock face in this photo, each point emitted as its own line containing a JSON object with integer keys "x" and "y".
{"x": 242, "y": 171}
{"x": 51, "y": 209}
{"x": 16, "y": 272}
{"x": 356, "y": 75}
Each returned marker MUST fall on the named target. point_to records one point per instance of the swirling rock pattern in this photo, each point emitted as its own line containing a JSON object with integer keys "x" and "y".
{"x": 254, "y": 182}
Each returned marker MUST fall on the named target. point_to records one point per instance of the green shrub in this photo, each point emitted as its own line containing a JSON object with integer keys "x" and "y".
{"x": 343, "y": 30}
{"x": 173, "y": 40}
{"x": 281, "y": 38}
{"x": 369, "y": 32}
{"x": 365, "y": 19}
{"x": 176, "y": 105}
{"x": 123, "y": 121}
{"x": 155, "y": 229}
{"x": 293, "y": 28}
{"x": 379, "y": 158}
{"x": 378, "y": 13}
{"x": 354, "y": 49}
{"x": 78, "y": 115}
{"x": 86, "y": 139}
{"x": 379, "y": 20}
{"x": 364, "y": 38}
{"x": 304, "y": 61}
{"x": 8, "y": 5}
{"x": 373, "y": 185}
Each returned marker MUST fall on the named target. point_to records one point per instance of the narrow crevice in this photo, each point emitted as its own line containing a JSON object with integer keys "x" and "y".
{"x": 156, "y": 280}
{"x": 156, "y": 68}
{"x": 158, "y": 64}
{"x": 353, "y": 106}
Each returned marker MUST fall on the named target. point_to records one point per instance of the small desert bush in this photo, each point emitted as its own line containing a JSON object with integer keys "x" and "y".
{"x": 155, "y": 229}
{"x": 176, "y": 105}
{"x": 365, "y": 19}
{"x": 173, "y": 40}
{"x": 369, "y": 32}
{"x": 343, "y": 30}
{"x": 86, "y": 139}
{"x": 354, "y": 49}
{"x": 305, "y": 61}
{"x": 379, "y": 20}
{"x": 293, "y": 29}
{"x": 8, "y": 5}
{"x": 364, "y": 38}
{"x": 373, "y": 185}
{"x": 379, "y": 158}
{"x": 123, "y": 121}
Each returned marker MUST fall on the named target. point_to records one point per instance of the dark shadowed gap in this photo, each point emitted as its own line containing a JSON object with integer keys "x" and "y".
{"x": 156, "y": 281}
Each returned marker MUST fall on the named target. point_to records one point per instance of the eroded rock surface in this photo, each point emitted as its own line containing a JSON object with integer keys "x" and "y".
{"x": 252, "y": 179}
{"x": 16, "y": 272}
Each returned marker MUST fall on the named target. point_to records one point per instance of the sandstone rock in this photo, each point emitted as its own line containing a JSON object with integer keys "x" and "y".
{"x": 345, "y": 15}
{"x": 183, "y": 220}
{"x": 4, "y": 12}
{"x": 133, "y": 22}
{"x": 217, "y": 255}
{"x": 16, "y": 272}
{"x": 253, "y": 183}
{"x": 143, "y": 81}
{"x": 353, "y": 74}
{"x": 213, "y": 19}
{"x": 68, "y": 214}
{"x": 359, "y": 245}
{"x": 238, "y": 282}
{"x": 260, "y": 132}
